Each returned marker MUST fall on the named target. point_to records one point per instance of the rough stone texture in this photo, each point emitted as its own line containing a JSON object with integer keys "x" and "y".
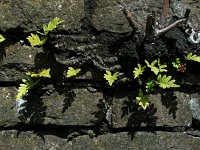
{"x": 140, "y": 141}
{"x": 194, "y": 105}
{"x": 26, "y": 16}
{"x": 8, "y": 112}
{"x": 16, "y": 60}
{"x": 11, "y": 140}
{"x": 119, "y": 141}
{"x": 65, "y": 106}
{"x": 166, "y": 109}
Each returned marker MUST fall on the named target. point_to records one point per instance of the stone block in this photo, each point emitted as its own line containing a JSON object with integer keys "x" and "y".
{"x": 27, "y": 16}
{"x": 167, "y": 108}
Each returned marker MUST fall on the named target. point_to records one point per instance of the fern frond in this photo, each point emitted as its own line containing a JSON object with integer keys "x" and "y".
{"x": 192, "y": 57}
{"x": 150, "y": 85}
{"x": 52, "y": 25}
{"x": 72, "y": 72}
{"x": 138, "y": 71}
{"x": 2, "y": 38}
{"x": 24, "y": 87}
{"x": 166, "y": 82}
{"x": 35, "y": 40}
{"x": 142, "y": 100}
{"x": 42, "y": 73}
{"x": 110, "y": 78}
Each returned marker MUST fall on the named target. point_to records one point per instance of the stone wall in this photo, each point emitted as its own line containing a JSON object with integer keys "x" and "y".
{"x": 83, "y": 112}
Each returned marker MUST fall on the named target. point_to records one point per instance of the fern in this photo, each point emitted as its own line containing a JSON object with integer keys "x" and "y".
{"x": 72, "y": 72}
{"x": 142, "y": 100}
{"x": 138, "y": 71}
{"x": 155, "y": 69}
{"x": 42, "y": 73}
{"x": 150, "y": 85}
{"x": 35, "y": 40}
{"x": 24, "y": 87}
{"x": 176, "y": 63}
{"x": 110, "y": 78}
{"x": 29, "y": 83}
{"x": 2, "y": 38}
{"x": 52, "y": 25}
{"x": 165, "y": 82}
{"x": 192, "y": 57}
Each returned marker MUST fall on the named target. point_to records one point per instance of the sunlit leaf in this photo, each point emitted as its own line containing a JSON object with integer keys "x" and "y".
{"x": 35, "y": 40}
{"x": 166, "y": 82}
{"x": 72, "y": 72}
{"x": 138, "y": 71}
{"x": 192, "y": 57}
{"x": 110, "y": 78}
{"x": 142, "y": 100}
{"x": 2, "y": 38}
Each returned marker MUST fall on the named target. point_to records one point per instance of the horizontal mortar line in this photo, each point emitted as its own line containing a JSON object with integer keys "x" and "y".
{"x": 49, "y": 127}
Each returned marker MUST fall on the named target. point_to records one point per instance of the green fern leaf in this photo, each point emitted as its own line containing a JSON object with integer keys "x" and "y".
{"x": 138, "y": 71}
{"x": 150, "y": 85}
{"x": 42, "y": 73}
{"x": 2, "y": 38}
{"x": 176, "y": 63}
{"x": 192, "y": 57}
{"x": 142, "y": 100}
{"x": 72, "y": 72}
{"x": 152, "y": 66}
{"x": 166, "y": 82}
{"x": 155, "y": 69}
{"x": 52, "y": 25}
{"x": 35, "y": 40}
{"x": 23, "y": 89}
{"x": 110, "y": 78}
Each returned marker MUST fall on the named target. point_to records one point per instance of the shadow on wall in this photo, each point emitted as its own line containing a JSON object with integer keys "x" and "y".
{"x": 35, "y": 111}
{"x": 168, "y": 100}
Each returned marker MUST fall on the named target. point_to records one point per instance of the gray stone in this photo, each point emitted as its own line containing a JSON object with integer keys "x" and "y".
{"x": 16, "y": 61}
{"x": 108, "y": 15}
{"x": 8, "y": 112}
{"x": 139, "y": 140}
{"x": 194, "y": 105}
{"x": 26, "y": 16}
{"x": 11, "y": 140}
{"x": 74, "y": 107}
{"x": 166, "y": 109}
{"x": 62, "y": 107}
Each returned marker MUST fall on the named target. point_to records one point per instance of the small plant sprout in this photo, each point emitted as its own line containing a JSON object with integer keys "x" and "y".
{"x": 2, "y": 38}
{"x": 192, "y": 57}
{"x": 155, "y": 69}
{"x": 166, "y": 82}
{"x": 150, "y": 85}
{"x": 30, "y": 81}
{"x": 138, "y": 71}
{"x": 72, "y": 72}
{"x": 110, "y": 78}
{"x": 142, "y": 100}
{"x": 23, "y": 89}
{"x": 176, "y": 63}
{"x": 35, "y": 40}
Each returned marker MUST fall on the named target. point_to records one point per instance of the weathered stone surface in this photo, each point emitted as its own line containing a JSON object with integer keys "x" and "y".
{"x": 141, "y": 140}
{"x": 107, "y": 14}
{"x": 62, "y": 107}
{"x": 74, "y": 107}
{"x": 179, "y": 9}
{"x": 8, "y": 113}
{"x": 27, "y": 16}
{"x": 10, "y": 140}
{"x": 16, "y": 60}
{"x": 194, "y": 105}
{"x": 166, "y": 109}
